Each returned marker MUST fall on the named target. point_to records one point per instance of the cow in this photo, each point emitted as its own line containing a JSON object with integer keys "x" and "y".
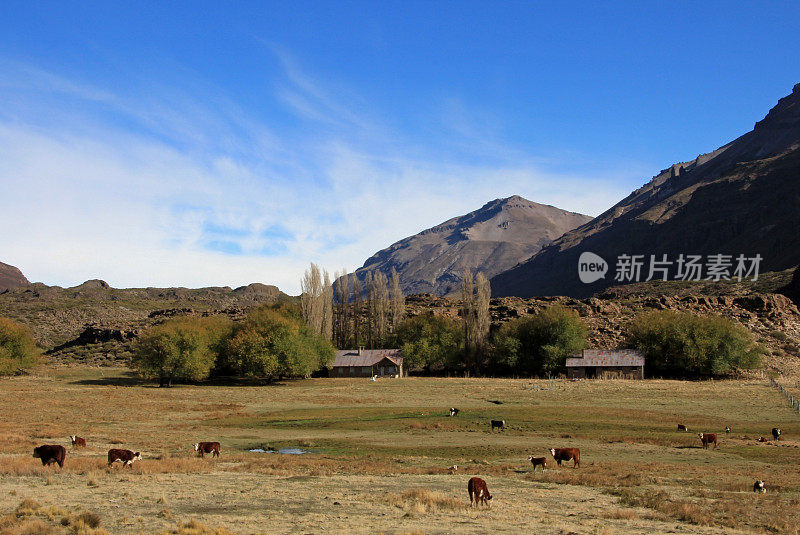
{"x": 207, "y": 447}
{"x": 708, "y": 438}
{"x": 758, "y": 486}
{"x": 776, "y": 433}
{"x": 538, "y": 461}
{"x": 682, "y": 427}
{"x": 78, "y": 441}
{"x": 50, "y": 453}
{"x": 478, "y": 492}
{"x": 498, "y": 424}
{"x": 566, "y": 454}
{"x": 126, "y": 457}
{"x": 762, "y": 439}
{"x": 727, "y": 429}
{"x": 453, "y": 411}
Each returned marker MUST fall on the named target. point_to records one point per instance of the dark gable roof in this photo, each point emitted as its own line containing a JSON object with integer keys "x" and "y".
{"x": 368, "y": 357}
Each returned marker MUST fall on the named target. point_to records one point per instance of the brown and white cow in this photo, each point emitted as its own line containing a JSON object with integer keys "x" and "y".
{"x": 708, "y": 438}
{"x": 682, "y": 427}
{"x": 78, "y": 441}
{"x": 538, "y": 461}
{"x": 126, "y": 457}
{"x": 567, "y": 454}
{"x": 50, "y": 454}
{"x": 207, "y": 447}
{"x": 478, "y": 492}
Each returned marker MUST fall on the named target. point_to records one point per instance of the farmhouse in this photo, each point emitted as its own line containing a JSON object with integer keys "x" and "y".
{"x": 591, "y": 363}
{"x": 367, "y": 363}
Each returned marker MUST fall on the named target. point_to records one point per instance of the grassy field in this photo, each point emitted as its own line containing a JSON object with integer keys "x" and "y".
{"x": 380, "y": 453}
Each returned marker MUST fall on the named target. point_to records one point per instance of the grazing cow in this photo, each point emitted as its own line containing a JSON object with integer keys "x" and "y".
{"x": 498, "y": 424}
{"x": 538, "y": 461}
{"x": 776, "y": 433}
{"x": 727, "y": 429}
{"x": 207, "y": 447}
{"x": 567, "y": 454}
{"x": 478, "y": 492}
{"x": 708, "y": 438}
{"x": 78, "y": 441}
{"x": 126, "y": 457}
{"x": 453, "y": 411}
{"x": 50, "y": 454}
{"x": 682, "y": 427}
{"x": 758, "y": 486}
{"x": 453, "y": 468}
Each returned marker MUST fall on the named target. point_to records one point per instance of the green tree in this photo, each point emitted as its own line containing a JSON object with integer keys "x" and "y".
{"x": 540, "y": 344}
{"x": 180, "y": 349}
{"x": 686, "y": 345}
{"x": 274, "y": 341}
{"x": 17, "y": 347}
{"x": 430, "y": 342}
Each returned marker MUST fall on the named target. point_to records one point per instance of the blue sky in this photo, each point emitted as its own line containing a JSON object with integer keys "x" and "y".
{"x": 226, "y": 143}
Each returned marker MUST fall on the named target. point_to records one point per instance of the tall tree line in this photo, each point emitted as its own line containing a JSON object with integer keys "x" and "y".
{"x": 367, "y": 313}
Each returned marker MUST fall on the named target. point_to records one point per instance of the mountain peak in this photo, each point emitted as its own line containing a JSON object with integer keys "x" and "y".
{"x": 495, "y": 237}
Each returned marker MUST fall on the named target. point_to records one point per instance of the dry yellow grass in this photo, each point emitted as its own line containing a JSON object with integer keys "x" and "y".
{"x": 381, "y": 452}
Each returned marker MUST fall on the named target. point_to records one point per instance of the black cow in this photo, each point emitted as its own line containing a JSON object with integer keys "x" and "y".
{"x": 776, "y": 433}
{"x": 453, "y": 411}
{"x": 498, "y": 424}
{"x": 51, "y": 453}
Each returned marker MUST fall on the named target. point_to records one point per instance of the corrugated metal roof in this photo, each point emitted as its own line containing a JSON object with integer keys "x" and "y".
{"x": 368, "y": 357}
{"x": 607, "y": 357}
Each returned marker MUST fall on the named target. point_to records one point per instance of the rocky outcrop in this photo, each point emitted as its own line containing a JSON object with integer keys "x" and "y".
{"x": 11, "y": 277}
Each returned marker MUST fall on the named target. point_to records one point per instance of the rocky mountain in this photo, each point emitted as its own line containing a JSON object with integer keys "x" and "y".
{"x": 491, "y": 239}
{"x": 63, "y": 319}
{"x": 741, "y": 199}
{"x": 11, "y": 277}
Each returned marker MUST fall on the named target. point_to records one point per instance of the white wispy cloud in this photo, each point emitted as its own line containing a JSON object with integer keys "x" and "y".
{"x": 185, "y": 187}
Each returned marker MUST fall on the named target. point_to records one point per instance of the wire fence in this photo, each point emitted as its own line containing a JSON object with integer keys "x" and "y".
{"x": 792, "y": 400}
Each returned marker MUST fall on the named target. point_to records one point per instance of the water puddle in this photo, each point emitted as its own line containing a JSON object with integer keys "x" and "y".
{"x": 285, "y": 451}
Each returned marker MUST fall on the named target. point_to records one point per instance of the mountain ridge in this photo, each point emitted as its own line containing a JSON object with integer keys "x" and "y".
{"x": 742, "y": 198}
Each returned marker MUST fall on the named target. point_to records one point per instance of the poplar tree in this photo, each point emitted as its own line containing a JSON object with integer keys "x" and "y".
{"x": 398, "y": 302}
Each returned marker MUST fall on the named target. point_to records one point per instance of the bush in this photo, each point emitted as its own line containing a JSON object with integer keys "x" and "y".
{"x": 274, "y": 341}
{"x": 539, "y": 344}
{"x": 685, "y": 345}
{"x": 430, "y": 342}
{"x": 180, "y": 349}
{"x": 17, "y": 347}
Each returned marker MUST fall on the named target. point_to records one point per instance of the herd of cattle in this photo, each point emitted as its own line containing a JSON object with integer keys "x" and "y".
{"x": 476, "y": 487}
{"x": 56, "y": 453}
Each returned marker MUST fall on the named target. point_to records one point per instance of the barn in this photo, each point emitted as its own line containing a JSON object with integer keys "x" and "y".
{"x": 606, "y": 363}
{"x": 368, "y": 363}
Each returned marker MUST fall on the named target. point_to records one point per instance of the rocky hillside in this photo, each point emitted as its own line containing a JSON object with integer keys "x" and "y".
{"x": 743, "y": 198}
{"x": 95, "y": 319}
{"x": 491, "y": 239}
{"x": 11, "y": 277}
{"x": 773, "y": 318}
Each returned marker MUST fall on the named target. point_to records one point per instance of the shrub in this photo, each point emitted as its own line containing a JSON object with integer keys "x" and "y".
{"x": 17, "y": 347}
{"x": 540, "y": 344}
{"x": 686, "y": 345}
{"x": 274, "y": 341}
{"x": 180, "y": 349}
{"x": 430, "y": 341}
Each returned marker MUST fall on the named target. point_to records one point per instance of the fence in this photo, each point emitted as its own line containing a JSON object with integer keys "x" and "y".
{"x": 794, "y": 402}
